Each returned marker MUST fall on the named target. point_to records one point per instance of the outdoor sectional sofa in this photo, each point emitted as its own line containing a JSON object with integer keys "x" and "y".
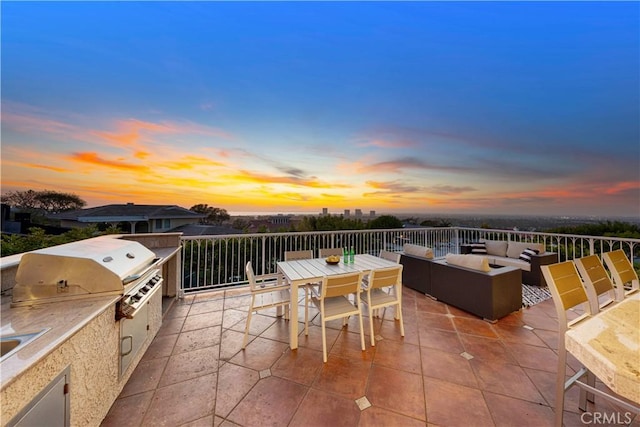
{"x": 488, "y": 294}
{"x": 464, "y": 281}
{"x": 416, "y": 270}
{"x": 508, "y": 253}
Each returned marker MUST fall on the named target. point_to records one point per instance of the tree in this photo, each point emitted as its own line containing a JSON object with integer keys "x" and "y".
{"x": 385, "y": 221}
{"x": 37, "y": 239}
{"x": 218, "y": 216}
{"x": 201, "y": 209}
{"x": 53, "y": 202}
{"x": 21, "y": 199}
{"x": 213, "y": 215}
{"x": 240, "y": 224}
{"x": 436, "y": 223}
{"x": 47, "y": 200}
{"x": 608, "y": 228}
{"x": 329, "y": 223}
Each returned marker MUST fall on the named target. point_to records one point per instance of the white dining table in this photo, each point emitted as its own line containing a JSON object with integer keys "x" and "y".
{"x": 300, "y": 272}
{"x": 608, "y": 344}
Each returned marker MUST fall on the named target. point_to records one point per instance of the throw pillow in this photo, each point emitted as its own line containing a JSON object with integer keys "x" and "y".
{"x": 478, "y": 248}
{"x": 473, "y": 262}
{"x": 417, "y": 250}
{"x": 496, "y": 247}
{"x": 515, "y": 248}
{"x": 528, "y": 253}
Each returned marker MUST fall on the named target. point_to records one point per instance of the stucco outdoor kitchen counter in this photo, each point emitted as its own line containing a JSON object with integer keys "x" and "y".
{"x": 62, "y": 319}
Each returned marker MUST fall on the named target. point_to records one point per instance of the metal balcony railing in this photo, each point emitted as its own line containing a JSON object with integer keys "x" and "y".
{"x": 218, "y": 261}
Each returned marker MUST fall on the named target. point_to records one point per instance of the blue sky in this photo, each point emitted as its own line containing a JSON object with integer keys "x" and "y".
{"x": 434, "y": 107}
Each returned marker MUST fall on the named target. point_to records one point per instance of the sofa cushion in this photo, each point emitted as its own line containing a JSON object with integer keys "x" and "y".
{"x": 497, "y": 247}
{"x": 474, "y": 262}
{"x": 509, "y": 262}
{"x": 527, "y": 254}
{"x": 516, "y": 248}
{"x": 478, "y": 248}
{"x": 417, "y": 250}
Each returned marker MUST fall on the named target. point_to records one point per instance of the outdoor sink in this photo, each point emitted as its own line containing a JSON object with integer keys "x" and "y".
{"x": 9, "y": 344}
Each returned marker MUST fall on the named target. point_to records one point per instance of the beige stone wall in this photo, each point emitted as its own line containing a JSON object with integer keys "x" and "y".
{"x": 8, "y": 278}
{"x": 155, "y": 240}
{"x": 93, "y": 356}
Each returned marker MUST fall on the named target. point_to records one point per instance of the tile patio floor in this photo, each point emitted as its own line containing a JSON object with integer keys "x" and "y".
{"x": 450, "y": 369}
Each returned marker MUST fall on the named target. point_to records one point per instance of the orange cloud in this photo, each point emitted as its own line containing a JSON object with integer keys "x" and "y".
{"x": 332, "y": 197}
{"x": 121, "y": 140}
{"x": 170, "y": 128}
{"x": 190, "y": 162}
{"x": 14, "y": 156}
{"x": 93, "y": 158}
{"x": 31, "y": 123}
{"x": 141, "y": 155}
{"x": 174, "y": 181}
{"x": 291, "y": 196}
{"x": 290, "y": 180}
{"x": 619, "y": 187}
{"x": 47, "y": 167}
{"x": 127, "y": 133}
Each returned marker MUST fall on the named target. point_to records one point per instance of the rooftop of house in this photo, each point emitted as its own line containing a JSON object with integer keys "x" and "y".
{"x": 127, "y": 211}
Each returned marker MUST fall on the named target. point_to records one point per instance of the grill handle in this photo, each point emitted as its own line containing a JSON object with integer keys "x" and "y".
{"x": 130, "y": 338}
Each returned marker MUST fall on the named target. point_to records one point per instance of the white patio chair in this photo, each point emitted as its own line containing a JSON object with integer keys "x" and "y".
{"x": 624, "y": 276}
{"x": 325, "y": 252}
{"x": 390, "y": 256}
{"x": 297, "y": 255}
{"x": 596, "y": 282}
{"x": 568, "y": 292}
{"x": 333, "y": 303}
{"x": 266, "y": 293}
{"x": 382, "y": 291}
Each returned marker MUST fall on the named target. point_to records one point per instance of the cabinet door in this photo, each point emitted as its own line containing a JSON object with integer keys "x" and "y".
{"x": 50, "y": 407}
{"x": 133, "y": 333}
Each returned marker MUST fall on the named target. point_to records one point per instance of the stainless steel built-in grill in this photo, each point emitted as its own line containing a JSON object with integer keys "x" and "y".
{"x": 89, "y": 268}
{"x": 137, "y": 296}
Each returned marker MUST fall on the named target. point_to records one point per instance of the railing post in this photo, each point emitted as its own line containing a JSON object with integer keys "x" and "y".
{"x": 181, "y": 269}
{"x": 264, "y": 254}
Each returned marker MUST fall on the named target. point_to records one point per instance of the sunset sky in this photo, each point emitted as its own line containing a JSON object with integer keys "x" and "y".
{"x": 431, "y": 107}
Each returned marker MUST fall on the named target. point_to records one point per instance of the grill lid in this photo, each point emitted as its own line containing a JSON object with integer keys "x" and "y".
{"x": 96, "y": 266}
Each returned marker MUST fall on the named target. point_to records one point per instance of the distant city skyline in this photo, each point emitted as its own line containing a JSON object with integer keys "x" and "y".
{"x": 634, "y": 219}
{"x": 522, "y": 108}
